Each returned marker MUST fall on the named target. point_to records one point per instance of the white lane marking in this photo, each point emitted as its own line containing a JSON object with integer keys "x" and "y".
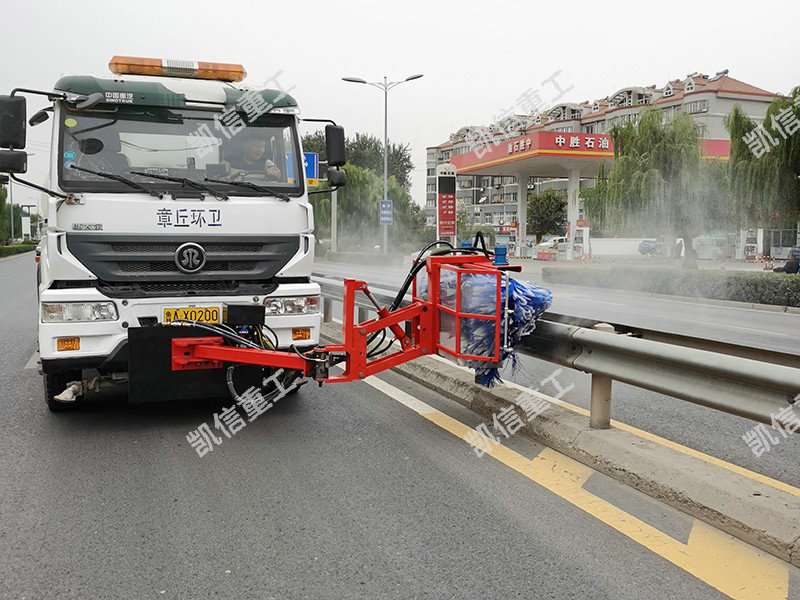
{"x": 33, "y": 361}
{"x": 402, "y": 397}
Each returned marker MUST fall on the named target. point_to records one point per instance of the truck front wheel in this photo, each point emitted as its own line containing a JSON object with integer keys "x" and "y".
{"x": 54, "y": 384}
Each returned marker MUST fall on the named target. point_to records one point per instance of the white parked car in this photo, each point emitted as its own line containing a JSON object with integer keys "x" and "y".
{"x": 559, "y": 244}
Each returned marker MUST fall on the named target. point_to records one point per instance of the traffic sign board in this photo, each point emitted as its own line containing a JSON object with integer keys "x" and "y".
{"x": 310, "y": 166}
{"x": 386, "y": 212}
{"x": 311, "y": 162}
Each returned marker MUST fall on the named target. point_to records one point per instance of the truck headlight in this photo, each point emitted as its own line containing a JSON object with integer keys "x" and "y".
{"x": 66, "y": 312}
{"x": 299, "y": 305}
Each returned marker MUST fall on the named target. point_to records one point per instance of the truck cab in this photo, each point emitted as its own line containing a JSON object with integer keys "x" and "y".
{"x": 173, "y": 191}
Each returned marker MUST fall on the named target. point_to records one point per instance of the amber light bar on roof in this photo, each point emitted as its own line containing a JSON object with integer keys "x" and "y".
{"x": 131, "y": 65}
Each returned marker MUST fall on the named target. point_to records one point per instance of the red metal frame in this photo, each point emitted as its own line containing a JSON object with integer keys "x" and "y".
{"x": 467, "y": 264}
{"x": 420, "y": 338}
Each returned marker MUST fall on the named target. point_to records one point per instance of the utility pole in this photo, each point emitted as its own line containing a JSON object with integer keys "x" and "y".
{"x": 334, "y": 223}
{"x": 11, "y": 206}
{"x": 385, "y": 158}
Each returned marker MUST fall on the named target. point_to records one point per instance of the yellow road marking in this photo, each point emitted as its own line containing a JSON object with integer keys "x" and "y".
{"x": 779, "y": 485}
{"x": 718, "y": 559}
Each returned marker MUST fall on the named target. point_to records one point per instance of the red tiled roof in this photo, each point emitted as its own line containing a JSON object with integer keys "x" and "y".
{"x": 729, "y": 85}
{"x": 678, "y": 95}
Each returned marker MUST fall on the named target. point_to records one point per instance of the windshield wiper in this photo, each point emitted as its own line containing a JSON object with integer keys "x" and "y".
{"x": 253, "y": 186}
{"x": 119, "y": 178}
{"x": 185, "y": 181}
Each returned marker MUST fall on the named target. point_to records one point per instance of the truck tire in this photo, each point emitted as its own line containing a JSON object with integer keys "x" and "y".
{"x": 55, "y": 383}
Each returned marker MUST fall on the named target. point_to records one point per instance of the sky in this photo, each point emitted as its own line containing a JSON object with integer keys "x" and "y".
{"x": 477, "y": 57}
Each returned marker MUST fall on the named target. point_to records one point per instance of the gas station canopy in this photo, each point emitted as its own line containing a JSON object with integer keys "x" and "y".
{"x": 540, "y": 154}
{"x": 552, "y": 154}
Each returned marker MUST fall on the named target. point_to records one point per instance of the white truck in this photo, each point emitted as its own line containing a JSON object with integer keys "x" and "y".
{"x": 173, "y": 191}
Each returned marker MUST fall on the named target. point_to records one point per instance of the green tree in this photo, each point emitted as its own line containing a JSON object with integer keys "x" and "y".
{"x": 5, "y": 217}
{"x": 658, "y": 184}
{"x": 466, "y": 232}
{"x": 594, "y": 202}
{"x": 547, "y": 213}
{"x": 359, "y": 201}
{"x": 358, "y": 206}
{"x": 366, "y": 151}
{"x": 766, "y": 188}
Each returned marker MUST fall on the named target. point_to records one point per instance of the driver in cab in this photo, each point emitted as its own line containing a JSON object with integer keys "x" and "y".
{"x": 251, "y": 158}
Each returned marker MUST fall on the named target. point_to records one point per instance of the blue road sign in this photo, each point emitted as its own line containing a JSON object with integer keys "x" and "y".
{"x": 386, "y": 212}
{"x": 311, "y": 161}
{"x": 310, "y": 166}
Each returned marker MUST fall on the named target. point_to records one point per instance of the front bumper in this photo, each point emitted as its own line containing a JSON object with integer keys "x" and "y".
{"x": 103, "y": 344}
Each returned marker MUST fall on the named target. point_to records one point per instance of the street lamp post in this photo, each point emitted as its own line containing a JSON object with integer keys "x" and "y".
{"x": 386, "y": 85}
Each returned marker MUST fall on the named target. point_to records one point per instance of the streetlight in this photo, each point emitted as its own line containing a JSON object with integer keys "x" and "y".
{"x": 385, "y": 86}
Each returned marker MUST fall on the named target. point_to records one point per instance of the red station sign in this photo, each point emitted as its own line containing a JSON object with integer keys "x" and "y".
{"x": 446, "y": 205}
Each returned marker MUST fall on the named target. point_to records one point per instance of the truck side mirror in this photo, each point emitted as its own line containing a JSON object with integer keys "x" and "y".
{"x": 13, "y": 161}
{"x": 336, "y": 178}
{"x": 12, "y": 122}
{"x": 334, "y": 145}
{"x": 38, "y": 118}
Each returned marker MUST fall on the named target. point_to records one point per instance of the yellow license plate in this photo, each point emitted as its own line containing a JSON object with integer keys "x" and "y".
{"x": 201, "y": 314}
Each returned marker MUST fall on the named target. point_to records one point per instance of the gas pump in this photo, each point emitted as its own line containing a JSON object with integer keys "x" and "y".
{"x": 581, "y": 244}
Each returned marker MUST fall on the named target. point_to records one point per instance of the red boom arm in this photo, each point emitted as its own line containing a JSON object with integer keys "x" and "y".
{"x": 419, "y": 337}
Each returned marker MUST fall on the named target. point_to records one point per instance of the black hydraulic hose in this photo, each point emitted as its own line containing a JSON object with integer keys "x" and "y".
{"x": 219, "y": 331}
{"x": 409, "y": 278}
{"x": 416, "y": 267}
{"x": 479, "y": 238}
{"x": 376, "y": 348}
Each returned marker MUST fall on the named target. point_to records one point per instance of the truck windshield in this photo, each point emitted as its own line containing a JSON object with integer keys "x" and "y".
{"x": 178, "y": 142}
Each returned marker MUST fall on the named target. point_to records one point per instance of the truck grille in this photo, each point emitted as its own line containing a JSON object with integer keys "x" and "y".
{"x": 148, "y": 247}
{"x": 171, "y": 267}
{"x": 151, "y": 259}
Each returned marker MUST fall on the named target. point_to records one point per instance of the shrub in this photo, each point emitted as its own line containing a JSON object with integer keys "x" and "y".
{"x": 9, "y": 250}
{"x": 779, "y": 289}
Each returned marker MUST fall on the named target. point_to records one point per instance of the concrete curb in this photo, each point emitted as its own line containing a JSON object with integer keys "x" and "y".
{"x": 752, "y": 511}
{"x": 749, "y": 510}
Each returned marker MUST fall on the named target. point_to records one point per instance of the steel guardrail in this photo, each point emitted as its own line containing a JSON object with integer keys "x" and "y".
{"x": 728, "y": 379}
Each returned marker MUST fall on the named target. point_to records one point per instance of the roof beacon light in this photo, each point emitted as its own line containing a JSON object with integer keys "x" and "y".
{"x": 188, "y": 69}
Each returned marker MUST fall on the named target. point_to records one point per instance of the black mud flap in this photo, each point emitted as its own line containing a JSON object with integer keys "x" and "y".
{"x": 150, "y": 374}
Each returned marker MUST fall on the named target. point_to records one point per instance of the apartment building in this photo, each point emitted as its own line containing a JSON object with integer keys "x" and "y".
{"x": 492, "y": 201}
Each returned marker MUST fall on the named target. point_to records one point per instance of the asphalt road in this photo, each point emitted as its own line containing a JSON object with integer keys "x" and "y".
{"x": 352, "y": 491}
{"x": 704, "y": 429}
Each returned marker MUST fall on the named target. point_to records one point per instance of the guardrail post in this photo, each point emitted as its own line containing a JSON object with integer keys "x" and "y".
{"x": 327, "y": 310}
{"x": 363, "y": 314}
{"x": 600, "y": 408}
